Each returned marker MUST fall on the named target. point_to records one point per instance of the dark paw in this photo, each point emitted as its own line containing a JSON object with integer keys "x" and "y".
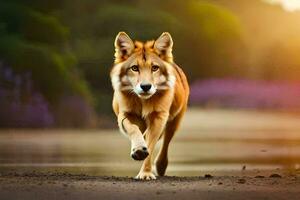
{"x": 139, "y": 153}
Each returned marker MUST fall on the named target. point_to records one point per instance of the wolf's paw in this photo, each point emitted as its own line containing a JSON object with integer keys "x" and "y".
{"x": 139, "y": 149}
{"x": 145, "y": 176}
{"x": 139, "y": 153}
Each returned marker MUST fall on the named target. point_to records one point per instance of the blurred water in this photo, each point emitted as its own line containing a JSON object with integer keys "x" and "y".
{"x": 209, "y": 141}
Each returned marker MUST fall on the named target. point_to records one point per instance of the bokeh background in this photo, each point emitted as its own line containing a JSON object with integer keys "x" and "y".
{"x": 55, "y": 56}
{"x": 241, "y": 57}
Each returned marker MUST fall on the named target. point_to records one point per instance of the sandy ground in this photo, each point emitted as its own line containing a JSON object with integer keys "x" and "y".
{"x": 56, "y": 186}
{"x": 248, "y": 154}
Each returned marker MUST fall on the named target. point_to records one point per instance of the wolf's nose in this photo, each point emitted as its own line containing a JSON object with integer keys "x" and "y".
{"x": 146, "y": 87}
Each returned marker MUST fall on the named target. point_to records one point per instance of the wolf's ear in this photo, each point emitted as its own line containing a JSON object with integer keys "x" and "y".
{"x": 123, "y": 45}
{"x": 164, "y": 44}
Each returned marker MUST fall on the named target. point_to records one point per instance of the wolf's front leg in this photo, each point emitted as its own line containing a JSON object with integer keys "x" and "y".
{"x": 128, "y": 125}
{"x": 155, "y": 125}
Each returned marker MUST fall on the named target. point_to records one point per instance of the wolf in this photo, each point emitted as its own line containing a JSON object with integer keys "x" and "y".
{"x": 150, "y": 98}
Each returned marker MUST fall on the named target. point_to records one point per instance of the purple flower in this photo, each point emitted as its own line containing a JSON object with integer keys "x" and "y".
{"x": 7, "y": 74}
{"x": 32, "y": 111}
{"x": 238, "y": 93}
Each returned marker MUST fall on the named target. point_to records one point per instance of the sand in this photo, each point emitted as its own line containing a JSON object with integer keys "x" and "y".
{"x": 56, "y": 186}
{"x": 246, "y": 153}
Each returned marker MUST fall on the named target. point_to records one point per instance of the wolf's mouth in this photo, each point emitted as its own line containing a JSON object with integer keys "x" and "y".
{"x": 145, "y": 94}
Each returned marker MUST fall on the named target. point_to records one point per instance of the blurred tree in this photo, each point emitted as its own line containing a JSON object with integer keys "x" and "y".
{"x": 93, "y": 37}
{"x": 68, "y": 45}
{"x": 281, "y": 61}
{"x": 34, "y": 41}
{"x": 209, "y": 40}
{"x": 207, "y": 37}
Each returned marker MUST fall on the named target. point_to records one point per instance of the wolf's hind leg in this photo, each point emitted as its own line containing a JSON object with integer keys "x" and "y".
{"x": 161, "y": 161}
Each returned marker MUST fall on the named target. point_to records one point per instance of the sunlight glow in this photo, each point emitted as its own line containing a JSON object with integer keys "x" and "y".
{"x": 288, "y": 5}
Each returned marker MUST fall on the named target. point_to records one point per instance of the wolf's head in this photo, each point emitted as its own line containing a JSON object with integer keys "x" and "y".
{"x": 143, "y": 68}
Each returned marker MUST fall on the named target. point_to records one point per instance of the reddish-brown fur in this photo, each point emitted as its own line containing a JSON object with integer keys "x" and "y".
{"x": 154, "y": 117}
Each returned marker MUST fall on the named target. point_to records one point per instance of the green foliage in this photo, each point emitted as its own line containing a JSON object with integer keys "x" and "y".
{"x": 206, "y": 36}
{"x": 139, "y": 23}
{"x": 32, "y": 41}
{"x": 211, "y": 41}
{"x": 44, "y": 28}
{"x": 68, "y": 45}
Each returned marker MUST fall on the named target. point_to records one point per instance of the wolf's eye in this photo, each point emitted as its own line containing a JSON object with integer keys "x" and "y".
{"x": 134, "y": 68}
{"x": 155, "y": 68}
